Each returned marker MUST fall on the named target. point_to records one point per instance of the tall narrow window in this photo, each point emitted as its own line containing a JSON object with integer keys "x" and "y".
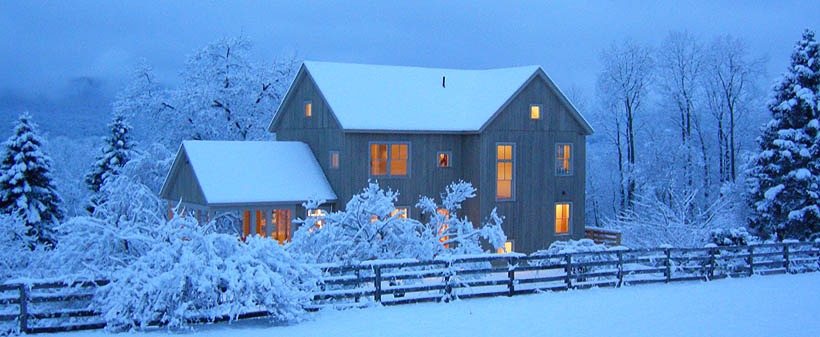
{"x": 562, "y": 218}
{"x": 444, "y": 226}
{"x": 334, "y": 159}
{"x": 504, "y": 171}
{"x": 535, "y": 111}
{"x": 563, "y": 159}
{"x": 389, "y": 159}
{"x": 308, "y": 108}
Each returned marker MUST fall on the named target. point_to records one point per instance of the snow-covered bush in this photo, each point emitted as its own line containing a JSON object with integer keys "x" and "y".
{"x": 15, "y": 254}
{"x": 127, "y": 223}
{"x": 668, "y": 219}
{"x": 367, "y": 229}
{"x": 371, "y": 228}
{"x": 737, "y": 236}
{"x": 195, "y": 274}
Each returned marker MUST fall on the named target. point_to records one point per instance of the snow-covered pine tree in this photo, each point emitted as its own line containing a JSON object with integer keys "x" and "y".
{"x": 26, "y": 187}
{"x": 114, "y": 154}
{"x": 784, "y": 178}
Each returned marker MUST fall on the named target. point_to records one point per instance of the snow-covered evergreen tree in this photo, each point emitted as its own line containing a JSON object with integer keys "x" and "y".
{"x": 114, "y": 154}
{"x": 784, "y": 179}
{"x": 26, "y": 187}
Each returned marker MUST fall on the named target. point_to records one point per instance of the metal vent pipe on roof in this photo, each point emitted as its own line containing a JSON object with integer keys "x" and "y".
{"x": 443, "y": 85}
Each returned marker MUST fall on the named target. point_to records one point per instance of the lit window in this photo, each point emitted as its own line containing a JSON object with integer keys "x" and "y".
{"x": 508, "y": 248}
{"x": 389, "y": 159}
{"x": 562, "y": 217}
{"x": 444, "y": 226}
{"x": 334, "y": 159}
{"x": 535, "y": 111}
{"x": 401, "y": 211}
{"x": 563, "y": 159}
{"x": 443, "y": 159}
{"x": 504, "y": 171}
{"x": 308, "y": 108}
{"x": 316, "y": 213}
{"x": 281, "y": 219}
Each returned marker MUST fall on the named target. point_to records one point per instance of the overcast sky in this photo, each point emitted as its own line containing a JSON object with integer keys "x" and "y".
{"x": 44, "y": 44}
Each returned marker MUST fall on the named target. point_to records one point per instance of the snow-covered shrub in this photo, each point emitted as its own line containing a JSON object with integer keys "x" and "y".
{"x": 195, "y": 274}
{"x": 127, "y": 223}
{"x": 370, "y": 228}
{"x": 668, "y": 219}
{"x": 15, "y": 254}
{"x": 367, "y": 229}
{"x": 737, "y": 236}
{"x": 557, "y": 251}
{"x": 458, "y": 234}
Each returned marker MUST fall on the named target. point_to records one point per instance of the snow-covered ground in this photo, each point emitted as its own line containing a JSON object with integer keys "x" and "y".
{"x": 784, "y": 305}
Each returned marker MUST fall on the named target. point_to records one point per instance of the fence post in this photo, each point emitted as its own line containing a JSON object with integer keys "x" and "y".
{"x": 448, "y": 287}
{"x": 358, "y": 283}
{"x": 620, "y": 268}
{"x": 568, "y": 271}
{"x": 711, "y": 272}
{"x": 668, "y": 253}
{"x": 787, "y": 263}
{"x": 23, "y": 308}
{"x": 511, "y": 264}
{"x": 377, "y": 282}
{"x": 751, "y": 260}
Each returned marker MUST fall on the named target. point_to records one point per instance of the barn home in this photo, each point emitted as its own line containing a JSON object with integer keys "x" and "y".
{"x": 510, "y": 132}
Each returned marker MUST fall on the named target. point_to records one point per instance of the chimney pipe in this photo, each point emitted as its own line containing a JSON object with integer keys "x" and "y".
{"x": 443, "y": 83}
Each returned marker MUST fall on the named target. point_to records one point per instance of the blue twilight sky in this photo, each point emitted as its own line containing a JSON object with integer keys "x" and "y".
{"x": 47, "y": 44}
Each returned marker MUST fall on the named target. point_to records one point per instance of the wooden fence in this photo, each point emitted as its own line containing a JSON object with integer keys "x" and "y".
{"x": 603, "y": 236}
{"x": 48, "y": 307}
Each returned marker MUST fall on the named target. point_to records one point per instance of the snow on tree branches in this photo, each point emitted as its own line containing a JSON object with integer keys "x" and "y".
{"x": 26, "y": 186}
{"x": 371, "y": 227}
{"x": 784, "y": 178}
{"x": 115, "y": 153}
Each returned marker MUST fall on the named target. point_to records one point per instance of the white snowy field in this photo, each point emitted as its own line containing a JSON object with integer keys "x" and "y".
{"x": 783, "y": 305}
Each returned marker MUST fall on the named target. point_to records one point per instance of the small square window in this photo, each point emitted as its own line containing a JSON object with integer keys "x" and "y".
{"x": 443, "y": 158}
{"x": 535, "y": 111}
{"x": 334, "y": 159}
{"x": 308, "y": 108}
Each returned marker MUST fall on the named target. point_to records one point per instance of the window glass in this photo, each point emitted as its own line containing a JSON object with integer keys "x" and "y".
{"x": 535, "y": 111}
{"x": 504, "y": 172}
{"x": 378, "y": 159}
{"x": 443, "y": 159}
{"x": 334, "y": 159}
{"x": 562, "y": 218}
{"x": 389, "y": 159}
{"x": 563, "y": 159}
{"x": 308, "y": 108}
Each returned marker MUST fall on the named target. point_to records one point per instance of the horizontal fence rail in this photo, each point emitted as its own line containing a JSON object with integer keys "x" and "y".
{"x": 51, "y": 307}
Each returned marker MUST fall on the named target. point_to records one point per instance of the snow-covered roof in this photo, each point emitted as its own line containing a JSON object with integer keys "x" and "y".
{"x": 378, "y": 97}
{"x": 231, "y": 172}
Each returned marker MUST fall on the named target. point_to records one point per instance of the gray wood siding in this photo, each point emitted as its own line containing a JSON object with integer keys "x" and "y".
{"x": 183, "y": 184}
{"x": 529, "y": 217}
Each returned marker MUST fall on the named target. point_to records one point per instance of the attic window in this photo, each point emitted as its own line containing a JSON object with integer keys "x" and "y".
{"x": 308, "y": 108}
{"x": 334, "y": 159}
{"x": 535, "y": 111}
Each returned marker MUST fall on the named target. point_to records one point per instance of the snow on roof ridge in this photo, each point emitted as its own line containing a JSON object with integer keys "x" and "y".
{"x": 307, "y": 62}
{"x": 417, "y": 98}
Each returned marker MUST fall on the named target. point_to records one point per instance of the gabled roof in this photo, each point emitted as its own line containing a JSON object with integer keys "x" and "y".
{"x": 379, "y": 97}
{"x": 247, "y": 172}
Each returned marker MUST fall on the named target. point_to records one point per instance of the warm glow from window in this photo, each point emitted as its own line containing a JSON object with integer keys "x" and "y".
{"x": 308, "y": 109}
{"x": 334, "y": 159}
{"x": 444, "y": 226}
{"x": 281, "y": 218}
{"x": 563, "y": 159}
{"x": 443, "y": 159}
{"x": 504, "y": 171}
{"x": 315, "y": 213}
{"x": 389, "y": 159}
{"x": 508, "y": 248}
{"x": 401, "y": 211}
{"x": 562, "y": 218}
{"x": 535, "y": 112}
